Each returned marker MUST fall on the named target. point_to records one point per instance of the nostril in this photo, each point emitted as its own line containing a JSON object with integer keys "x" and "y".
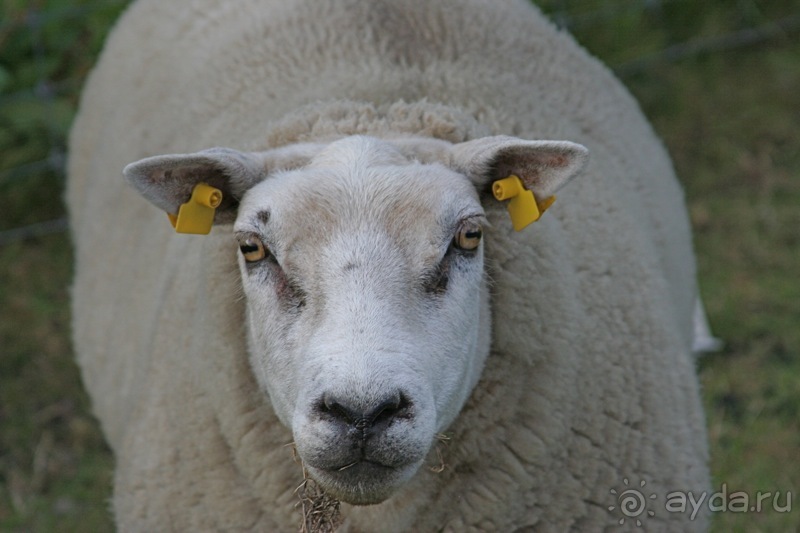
{"x": 337, "y": 410}
{"x": 390, "y": 408}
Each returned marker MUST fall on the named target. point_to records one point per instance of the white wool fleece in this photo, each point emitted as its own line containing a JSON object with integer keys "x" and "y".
{"x": 588, "y": 378}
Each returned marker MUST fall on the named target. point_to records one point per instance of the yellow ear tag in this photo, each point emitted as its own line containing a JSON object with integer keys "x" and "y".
{"x": 197, "y": 215}
{"x": 523, "y": 207}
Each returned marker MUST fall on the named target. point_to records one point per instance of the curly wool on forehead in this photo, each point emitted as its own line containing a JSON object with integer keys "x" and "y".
{"x": 362, "y": 170}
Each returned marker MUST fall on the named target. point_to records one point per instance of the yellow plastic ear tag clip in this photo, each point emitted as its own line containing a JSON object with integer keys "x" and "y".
{"x": 197, "y": 215}
{"x": 523, "y": 207}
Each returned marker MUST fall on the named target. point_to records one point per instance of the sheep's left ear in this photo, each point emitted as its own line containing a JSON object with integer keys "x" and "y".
{"x": 543, "y": 166}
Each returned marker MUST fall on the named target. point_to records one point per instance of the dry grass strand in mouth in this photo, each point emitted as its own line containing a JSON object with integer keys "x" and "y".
{"x": 441, "y": 442}
{"x": 320, "y": 511}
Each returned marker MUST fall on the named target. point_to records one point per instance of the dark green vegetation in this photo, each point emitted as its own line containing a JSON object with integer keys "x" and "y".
{"x": 55, "y": 469}
{"x": 727, "y": 106}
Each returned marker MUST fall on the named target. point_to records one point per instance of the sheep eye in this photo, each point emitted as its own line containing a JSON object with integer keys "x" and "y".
{"x": 252, "y": 249}
{"x": 468, "y": 236}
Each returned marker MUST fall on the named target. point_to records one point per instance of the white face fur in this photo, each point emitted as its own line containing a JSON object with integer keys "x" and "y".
{"x": 368, "y": 311}
{"x": 367, "y": 305}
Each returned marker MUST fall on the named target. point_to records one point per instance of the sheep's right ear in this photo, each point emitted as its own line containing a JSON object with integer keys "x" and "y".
{"x": 168, "y": 180}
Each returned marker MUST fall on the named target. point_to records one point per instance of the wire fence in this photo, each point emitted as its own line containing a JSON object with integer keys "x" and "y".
{"x": 27, "y": 32}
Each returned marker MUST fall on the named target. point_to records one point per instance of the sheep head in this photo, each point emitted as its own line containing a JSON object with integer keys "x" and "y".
{"x": 367, "y": 302}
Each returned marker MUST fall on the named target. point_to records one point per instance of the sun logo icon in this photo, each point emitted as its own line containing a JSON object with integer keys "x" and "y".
{"x": 632, "y": 502}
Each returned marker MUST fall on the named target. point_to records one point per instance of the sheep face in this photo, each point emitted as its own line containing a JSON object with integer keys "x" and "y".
{"x": 368, "y": 311}
{"x": 363, "y": 269}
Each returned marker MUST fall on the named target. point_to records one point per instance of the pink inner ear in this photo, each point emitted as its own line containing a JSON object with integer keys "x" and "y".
{"x": 555, "y": 161}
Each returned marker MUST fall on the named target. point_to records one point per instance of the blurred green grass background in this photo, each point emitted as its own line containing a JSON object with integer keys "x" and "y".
{"x": 719, "y": 79}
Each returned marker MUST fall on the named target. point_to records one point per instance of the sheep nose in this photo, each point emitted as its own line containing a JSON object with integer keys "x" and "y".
{"x": 375, "y": 415}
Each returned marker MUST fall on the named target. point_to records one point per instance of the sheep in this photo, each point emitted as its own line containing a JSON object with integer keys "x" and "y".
{"x": 363, "y": 330}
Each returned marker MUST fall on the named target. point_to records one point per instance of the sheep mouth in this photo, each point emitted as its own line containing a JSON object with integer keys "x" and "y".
{"x": 362, "y": 463}
{"x": 362, "y": 482}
